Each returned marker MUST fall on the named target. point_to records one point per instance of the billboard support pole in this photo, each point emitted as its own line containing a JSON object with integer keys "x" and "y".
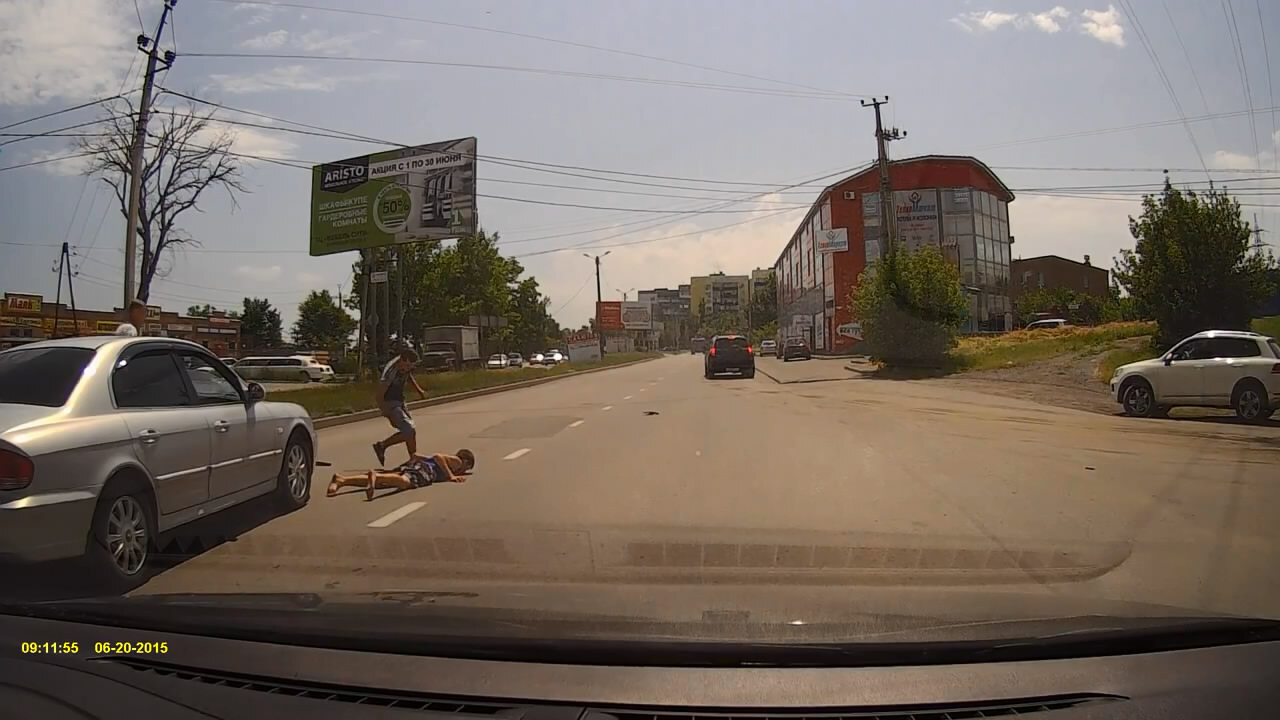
{"x": 384, "y": 314}
{"x": 366, "y": 259}
{"x": 399, "y": 261}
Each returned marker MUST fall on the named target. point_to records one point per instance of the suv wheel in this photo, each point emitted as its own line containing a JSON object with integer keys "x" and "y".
{"x": 1250, "y": 401}
{"x": 1138, "y": 397}
{"x": 122, "y": 535}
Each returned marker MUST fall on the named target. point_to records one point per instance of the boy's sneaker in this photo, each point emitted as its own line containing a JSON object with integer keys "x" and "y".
{"x": 381, "y": 452}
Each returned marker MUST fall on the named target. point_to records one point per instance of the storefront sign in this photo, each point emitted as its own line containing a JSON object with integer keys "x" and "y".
{"x": 850, "y": 330}
{"x": 105, "y": 327}
{"x": 833, "y": 240}
{"x": 20, "y": 321}
{"x": 23, "y": 304}
{"x": 178, "y": 327}
{"x": 916, "y": 219}
{"x": 153, "y": 312}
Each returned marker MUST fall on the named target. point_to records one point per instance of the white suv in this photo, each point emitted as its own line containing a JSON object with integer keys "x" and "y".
{"x": 1216, "y": 368}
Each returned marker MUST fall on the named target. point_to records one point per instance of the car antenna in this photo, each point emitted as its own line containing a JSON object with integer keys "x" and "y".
{"x": 64, "y": 267}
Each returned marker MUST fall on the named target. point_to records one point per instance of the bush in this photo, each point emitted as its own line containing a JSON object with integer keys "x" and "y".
{"x": 910, "y": 306}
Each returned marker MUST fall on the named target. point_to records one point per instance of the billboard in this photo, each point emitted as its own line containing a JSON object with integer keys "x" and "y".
{"x": 637, "y": 316}
{"x": 583, "y": 347}
{"x": 916, "y": 220}
{"x": 609, "y": 315}
{"x": 833, "y": 240}
{"x": 405, "y": 195}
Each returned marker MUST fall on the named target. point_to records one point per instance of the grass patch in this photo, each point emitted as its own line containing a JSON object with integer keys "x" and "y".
{"x": 1022, "y": 347}
{"x": 1122, "y": 356}
{"x": 1269, "y": 326}
{"x": 356, "y": 396}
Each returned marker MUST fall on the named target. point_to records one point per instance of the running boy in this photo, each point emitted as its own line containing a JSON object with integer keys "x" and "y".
{"x": 390, "y": 400}
{"x": 419, "y": 471}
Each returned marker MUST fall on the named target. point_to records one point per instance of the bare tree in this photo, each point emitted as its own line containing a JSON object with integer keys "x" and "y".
{"x": 186, "y": 153}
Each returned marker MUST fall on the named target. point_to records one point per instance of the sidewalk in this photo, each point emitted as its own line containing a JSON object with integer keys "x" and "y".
{"x": 807, "y": 371}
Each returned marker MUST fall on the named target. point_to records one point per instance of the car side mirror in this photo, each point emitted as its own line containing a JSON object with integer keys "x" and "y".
{"x": 256, "y": 393}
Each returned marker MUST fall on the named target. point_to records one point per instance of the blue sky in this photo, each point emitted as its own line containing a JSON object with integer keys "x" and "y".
{"x": 990, "y": 79}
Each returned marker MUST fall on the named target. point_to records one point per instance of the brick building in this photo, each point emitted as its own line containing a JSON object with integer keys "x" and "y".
{"x": 1057, "y": 273}
{"x": 27, "y": 318}
{"x": 955, "y": 203}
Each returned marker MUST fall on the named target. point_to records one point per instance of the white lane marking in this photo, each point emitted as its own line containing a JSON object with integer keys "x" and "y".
{"x": 516, "y": 454}
{"x": 607, "y": 407}
{"x": 698, "y": 453}
{"x": 662, "y": 378}
{"x": 627, "y": 397}
{"x": 576, "y": 423}
{"x": 395, "y": 515}
{"x": 643, "y": 389}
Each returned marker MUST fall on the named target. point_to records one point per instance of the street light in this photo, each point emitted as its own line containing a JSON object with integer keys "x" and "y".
{"x": 624, "y": 293}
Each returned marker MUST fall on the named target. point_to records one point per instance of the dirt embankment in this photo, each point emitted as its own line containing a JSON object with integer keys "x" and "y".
{"x": 1065, "y": 381}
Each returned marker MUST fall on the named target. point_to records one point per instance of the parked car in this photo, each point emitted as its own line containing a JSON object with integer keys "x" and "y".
{"x": 1216, "y": 368}
{"x": 729, "y": 353}
{"x": 796, "y": 348}
{"x": 768, "y": 346}
{"x": 1047, "y": 324}
{"x": 553, "y": 357}
{"x": 515, "y": 360}
{"x": 229, "y": 362}
{"x": 107, "y": 442}
{"x": 497, "y": 361}
{"x": 303, "y": 368}
{"x": 697, "y": 345}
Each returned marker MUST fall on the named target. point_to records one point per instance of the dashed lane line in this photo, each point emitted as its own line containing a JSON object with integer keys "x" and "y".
{"x": 518, "y": 453}
{"x": 606, "y": 407}
{"x": 398, "y": 514}
{"x": 576, "y": 423}
{"x": 627, "y": 397}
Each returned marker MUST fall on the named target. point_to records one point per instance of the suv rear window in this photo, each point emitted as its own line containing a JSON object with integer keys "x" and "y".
{"x": 734, "y": 342}
{"x": 1275, "y": 348}
{"x": 41, "y": 376}
{"x": 795, "y": 341}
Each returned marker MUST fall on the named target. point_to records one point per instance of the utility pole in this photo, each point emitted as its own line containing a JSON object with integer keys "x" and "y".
{"x": 599, "y": 298}
{"x": 883, "y": 137}
{"x": 151, "y": 47}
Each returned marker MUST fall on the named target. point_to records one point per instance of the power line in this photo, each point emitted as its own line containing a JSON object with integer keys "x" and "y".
{"x": 73, "y": 108}
{"x": 1190, "y": 65}
{"x": 1164, "y": 78}
{"x": 796, "y": 94}
{"x": 1242, "y": 67}
{"x": 1125, "y": 128}
{"x": 528, "y": 36}
{"x": 142, "y": 27}
{"x": 1271, "y": 88}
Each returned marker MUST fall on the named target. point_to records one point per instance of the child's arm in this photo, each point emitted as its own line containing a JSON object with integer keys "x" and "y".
{"x": 446, "y": 463}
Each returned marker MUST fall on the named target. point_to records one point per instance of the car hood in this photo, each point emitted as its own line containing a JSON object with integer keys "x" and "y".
{"x": 1141, "y": 365}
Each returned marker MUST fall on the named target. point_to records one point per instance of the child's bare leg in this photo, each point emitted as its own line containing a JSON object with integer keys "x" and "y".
{"x": 341, "y": 480}
{"x": 398, "y": 481}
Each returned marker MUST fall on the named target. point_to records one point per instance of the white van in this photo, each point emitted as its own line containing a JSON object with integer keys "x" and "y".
{"x": 302, "y": 368}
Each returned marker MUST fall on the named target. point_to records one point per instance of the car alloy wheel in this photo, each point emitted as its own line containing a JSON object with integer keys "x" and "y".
{"x": 1249, "y": 404}
{"x": 1138, "y": 400}
{"x": 127, "y": 537}
{"x": 297, "y": 476}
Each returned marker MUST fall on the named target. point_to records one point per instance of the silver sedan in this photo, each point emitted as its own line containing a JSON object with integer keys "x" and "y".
{"x": 107, "y": 442}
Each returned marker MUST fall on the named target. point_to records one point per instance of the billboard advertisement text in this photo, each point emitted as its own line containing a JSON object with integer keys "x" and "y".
{"x": 637, "y": 316}
{"x": 406, "y": 195}
{"x": 609, "y": 315}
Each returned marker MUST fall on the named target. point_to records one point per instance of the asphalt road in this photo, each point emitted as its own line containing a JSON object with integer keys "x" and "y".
{"x": 651, "y": 474}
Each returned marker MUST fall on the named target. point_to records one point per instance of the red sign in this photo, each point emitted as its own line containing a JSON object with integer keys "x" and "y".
{"x": 609, "y": 315}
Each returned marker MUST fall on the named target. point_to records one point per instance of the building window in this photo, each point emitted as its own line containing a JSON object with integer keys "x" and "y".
{"x": 1040, "y": 279}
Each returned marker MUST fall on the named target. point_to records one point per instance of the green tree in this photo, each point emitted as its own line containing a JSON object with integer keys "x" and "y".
{"x": 206, "y": 310}
{"x": 764, "y": 305}
{"x": 1191, "y": 268}
{"x": 910, "y": 306}
{"x": 321, "y": 324}
{"x": 261, "y": 322}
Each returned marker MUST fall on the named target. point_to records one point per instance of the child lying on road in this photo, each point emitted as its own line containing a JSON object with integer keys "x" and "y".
{"x": 420, "y": 471}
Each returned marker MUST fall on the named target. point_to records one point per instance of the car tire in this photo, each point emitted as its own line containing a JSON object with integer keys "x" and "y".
{"x": 293, "y": 483}
{"x": 1249, "y": 400}
{"x": 122, "y": 534}
{"x": 1138, "y": 398}
{"x": 304, "y": 377}
{"x": 749, "y": 374}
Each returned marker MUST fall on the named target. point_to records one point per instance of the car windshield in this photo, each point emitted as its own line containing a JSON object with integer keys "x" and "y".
{"x": 791, "y": 266}
{"x": 41, "y": 376}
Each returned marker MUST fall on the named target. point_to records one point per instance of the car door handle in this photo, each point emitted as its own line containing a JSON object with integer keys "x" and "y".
{"x": 149, "y": 437}
{"x": 221, "y": 426}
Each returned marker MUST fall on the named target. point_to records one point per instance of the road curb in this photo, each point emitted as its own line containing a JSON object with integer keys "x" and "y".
{"x": 765, "y": 373}
{"x": 336, "y": 420}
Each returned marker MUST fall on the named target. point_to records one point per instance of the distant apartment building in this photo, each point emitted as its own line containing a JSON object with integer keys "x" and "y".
{"x": 760, "y": 279}
{"x": 1057, "y": 273}
{"x": 670, "y": 312}
{"x": 717, "y": 293}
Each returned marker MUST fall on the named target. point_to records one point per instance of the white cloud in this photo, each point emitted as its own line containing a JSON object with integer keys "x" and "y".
{"x": 1071, "y": 227}
{"x": 284, "y": 77}
{"x": 991, "y": 20}
{"x": 72, "y": 166}
{"x": 252, "y": 141}
{"x": 1227, "y": 160}
{"x": 323, "y": 41}
{"x": 257, "y": 14}
{"x": 1048, "y": 21}
{"x": 1104, "y": 25}
{"x": 47, "y": 57}
{"x": 267, "y": 41}
{"x": 259, "y": 273}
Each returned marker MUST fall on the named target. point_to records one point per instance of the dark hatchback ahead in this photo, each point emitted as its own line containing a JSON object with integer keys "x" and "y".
{"x": 795, "y": 348}
{"x": 730, "y": 353}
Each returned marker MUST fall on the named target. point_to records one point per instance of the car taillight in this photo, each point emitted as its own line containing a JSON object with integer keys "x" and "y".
{"x": 750, "y": 351}
{"x": 1275, "y": 369}
{"x": 15, "y": 470}
{"x": 712, "y": 351}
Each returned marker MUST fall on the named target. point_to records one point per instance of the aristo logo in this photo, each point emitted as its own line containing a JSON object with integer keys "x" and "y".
{"x": 345, "y": 175}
